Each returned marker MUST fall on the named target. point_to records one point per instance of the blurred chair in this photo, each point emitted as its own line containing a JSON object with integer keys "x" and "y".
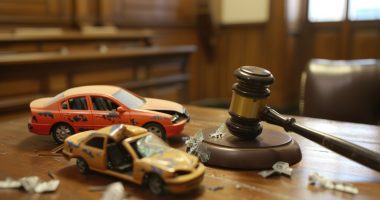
{"x": 340, "y": 90}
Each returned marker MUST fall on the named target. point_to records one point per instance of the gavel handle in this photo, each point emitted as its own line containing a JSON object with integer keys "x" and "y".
{"x": 352, "y": 151}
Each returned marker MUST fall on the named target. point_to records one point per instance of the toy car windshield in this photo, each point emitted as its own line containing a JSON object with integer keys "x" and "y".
{"x": 56, "y": 98}
{"x": 151, "y": 145}
{"x": 129, "y": 99}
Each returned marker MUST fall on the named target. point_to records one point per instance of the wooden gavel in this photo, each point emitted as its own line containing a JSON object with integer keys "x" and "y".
{"x": 248, "y": 108}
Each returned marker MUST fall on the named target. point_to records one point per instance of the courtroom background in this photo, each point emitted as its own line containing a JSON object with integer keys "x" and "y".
{"x": 283, "y": 43}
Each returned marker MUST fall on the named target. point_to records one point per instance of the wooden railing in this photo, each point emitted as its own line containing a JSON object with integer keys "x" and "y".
{"x": 154, "y": 71}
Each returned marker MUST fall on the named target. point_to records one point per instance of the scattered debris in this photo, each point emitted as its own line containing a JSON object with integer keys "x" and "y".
{"x": 219, "y": 133}
{"x": 97, "y": 188}
{"x": 215, "y": 188}
{"x": 53, "y": 152}
{"x": 52, "y": 175}
{"x": 279, "y": 168}
{"x": 31, "y": 184}
{"x": 9, "y": 183}
{"x": 253, "y": 188}
{"x": 57, "y": 149}
{"x": 114, "y": 191}
{"x": 316, "y": 179}
{"x": 194, "y": 147}
{"x": 49, "y": 154}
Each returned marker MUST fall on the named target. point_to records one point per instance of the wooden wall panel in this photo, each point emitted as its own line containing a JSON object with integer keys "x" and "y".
{"x": 255, "y": 46}
{"x": 185, "y": 35}
{"x": 236, "y": 45}
{"x": 161, "y": 70}
{"x": 365, "y": 43}
{"x": 103, "y": 76}
{"x": 57, "y": 82}
{"x": 172, "y": 92}
{"x": 19, "y": 87}
{"x": 326, "y": 44}
{"x": 154, "y": 13}
{"x": 37, "y": 12}
{"x": 275, "y": 45}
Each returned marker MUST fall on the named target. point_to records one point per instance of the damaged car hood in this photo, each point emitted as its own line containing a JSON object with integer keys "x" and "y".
{"x": 172, "y": 161}
{"x": 162, "y": 105}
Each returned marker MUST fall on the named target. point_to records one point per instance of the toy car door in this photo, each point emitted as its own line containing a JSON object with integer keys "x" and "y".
{"x": 75, "y": 111}
{"x": 104, "y": 112}
{"x": 94, "y": 152}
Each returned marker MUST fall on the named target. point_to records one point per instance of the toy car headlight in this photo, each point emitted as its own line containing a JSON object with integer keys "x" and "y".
{"x": 185, "y": 112}
{"x": 174, "y": 118}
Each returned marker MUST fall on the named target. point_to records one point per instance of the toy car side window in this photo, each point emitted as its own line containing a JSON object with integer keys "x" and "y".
{"x": 96, "y": 142}
{"x": 102, "y": 103}
{"x": 65, "y": 105}
{"x": 78, "y": 103}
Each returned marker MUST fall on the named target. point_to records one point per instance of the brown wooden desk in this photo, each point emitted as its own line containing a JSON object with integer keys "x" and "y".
{"x": 19, "y": 157}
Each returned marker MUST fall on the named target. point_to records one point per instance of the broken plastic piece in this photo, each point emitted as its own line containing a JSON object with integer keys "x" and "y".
{"x": 114, "y": 191}
{"x": 52, "y": 175}
{"x": 278, "y": 167}
{"x": 216, "y": 188}
{"x": 316, "y": 179}
{"x": 219, "y": 133}
{"x": 31, "y": 184}
{"x": 9, "y": 183}
{"x": 97, "y": 188}
{"x": 194, "y": 147}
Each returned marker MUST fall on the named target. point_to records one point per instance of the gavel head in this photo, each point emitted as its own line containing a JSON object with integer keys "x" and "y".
{"x": 248, "y": 99}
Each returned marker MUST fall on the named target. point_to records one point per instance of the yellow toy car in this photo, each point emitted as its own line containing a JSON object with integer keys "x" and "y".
{"x": 134, "y": 154}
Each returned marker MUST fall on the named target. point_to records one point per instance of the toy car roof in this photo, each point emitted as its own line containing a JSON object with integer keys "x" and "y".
{"x": 95, "y": 89}
{"x": 119, "y": 132}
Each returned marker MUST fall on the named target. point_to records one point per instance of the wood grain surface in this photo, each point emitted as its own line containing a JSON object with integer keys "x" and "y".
{"x": 23, "y": 154}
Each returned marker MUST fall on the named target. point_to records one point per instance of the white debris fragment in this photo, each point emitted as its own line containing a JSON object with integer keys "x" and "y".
{"x": 216, "y": 188}
{"x": 9, "y": 183}
{"x": 316, "y": 179}
{"x": 114, "y": 191}
{"x": 279, "y": 167}
{"x": 31, "y": 184}
{"x": 219, "y": 133}
{"x": 194, "y": 147}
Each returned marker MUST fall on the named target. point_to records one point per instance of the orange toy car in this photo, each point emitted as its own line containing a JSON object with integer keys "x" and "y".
{"x": 92, "y": 107}
{"x": 133, "y": 154}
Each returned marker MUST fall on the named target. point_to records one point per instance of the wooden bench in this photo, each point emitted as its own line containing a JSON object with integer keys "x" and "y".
{"x": 148, "y": 71}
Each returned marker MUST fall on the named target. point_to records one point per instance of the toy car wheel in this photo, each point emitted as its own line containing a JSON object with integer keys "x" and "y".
{"x": 157, "y": 129}
{"x": 61, "y": 131}
{"x": 82, "y": 166}
{"x": 156, "y": 185}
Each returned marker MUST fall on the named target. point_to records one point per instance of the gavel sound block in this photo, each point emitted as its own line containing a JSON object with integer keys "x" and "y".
{"x": 245, "y": 144}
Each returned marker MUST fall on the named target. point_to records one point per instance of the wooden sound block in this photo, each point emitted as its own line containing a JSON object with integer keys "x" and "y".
{"x": 261, "y": 153}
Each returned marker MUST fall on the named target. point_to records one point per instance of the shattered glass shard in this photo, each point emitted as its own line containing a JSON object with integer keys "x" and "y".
{"x": 219, "y": 133}
{"x": 195, "y": 147}
{"x": 278, "y": 167}
{"x": 203, "y": 153}
{"x": 316, "y": 179}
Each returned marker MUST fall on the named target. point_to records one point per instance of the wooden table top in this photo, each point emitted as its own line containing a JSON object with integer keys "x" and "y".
{"x": 20, "y": 156}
